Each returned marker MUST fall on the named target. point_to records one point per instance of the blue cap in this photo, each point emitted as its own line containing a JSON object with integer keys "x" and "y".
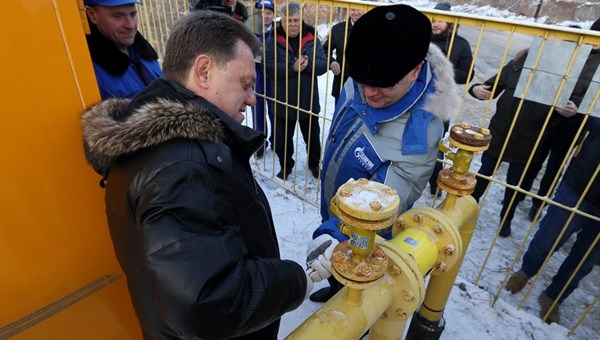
{"x": 110, "y": 3}
{"x": 265, "y": 4}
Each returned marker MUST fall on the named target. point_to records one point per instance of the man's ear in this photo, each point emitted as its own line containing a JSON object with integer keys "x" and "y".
{"x": 415, "y": 71}
{"x": 201, "y": 70}
{"x": 91, "y": 13}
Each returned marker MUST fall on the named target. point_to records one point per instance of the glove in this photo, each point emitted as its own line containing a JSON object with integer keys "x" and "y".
{"x": 318, "y": 246}
{"x": 318, "y": 259}
{"x": 309, "y": 285}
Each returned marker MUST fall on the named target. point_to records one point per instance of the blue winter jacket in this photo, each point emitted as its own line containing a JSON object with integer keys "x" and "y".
{"x": 119, "y": 75}
{"x": 396, "y": 145}
{"x": 128, "y": 84}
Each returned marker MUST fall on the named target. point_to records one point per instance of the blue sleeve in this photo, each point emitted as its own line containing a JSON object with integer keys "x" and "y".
{"x": 330, "y": 227}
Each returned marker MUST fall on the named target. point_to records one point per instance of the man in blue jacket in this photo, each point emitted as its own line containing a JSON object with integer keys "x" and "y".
{"x": 124, "y": 62}
{"x": 389, "y": 119}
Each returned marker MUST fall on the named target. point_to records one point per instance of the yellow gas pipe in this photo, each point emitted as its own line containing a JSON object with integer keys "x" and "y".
{"x": 425, "y": 241}
{"x": 427, "y": 323}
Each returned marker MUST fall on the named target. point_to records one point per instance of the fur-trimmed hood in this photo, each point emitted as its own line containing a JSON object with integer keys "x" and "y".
{"x": 163, "y": 111}
{"x": 107, "y": 137}
{"x": 444, "y": 101}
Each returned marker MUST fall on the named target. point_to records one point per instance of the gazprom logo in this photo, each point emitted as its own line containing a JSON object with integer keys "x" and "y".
{"x": 362, "y": 158}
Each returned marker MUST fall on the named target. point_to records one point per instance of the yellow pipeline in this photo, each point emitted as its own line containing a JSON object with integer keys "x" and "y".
{"x": 464, "y": 213}
{"x": 340, "y": 318}
{"x": 421, "y": 245}
{"x": 389, "y": 304}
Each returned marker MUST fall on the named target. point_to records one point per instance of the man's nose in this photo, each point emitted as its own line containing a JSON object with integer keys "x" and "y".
{"x": 369, "y": 90}
{"x": 131, "y": 22}
{"x": 251, "y": 99}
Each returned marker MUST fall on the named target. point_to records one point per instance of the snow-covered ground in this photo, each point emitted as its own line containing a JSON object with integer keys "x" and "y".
{"x": 470, "y": 313}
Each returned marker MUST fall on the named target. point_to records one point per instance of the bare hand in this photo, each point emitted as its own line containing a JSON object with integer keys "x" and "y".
{"x": 335, "y": 68}
{"x": 482, "y": 92}
{"x": 568, "y": 111}
{"x": 301, "y": 64}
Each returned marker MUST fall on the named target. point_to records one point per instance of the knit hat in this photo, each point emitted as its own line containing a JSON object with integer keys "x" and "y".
{"x": 386, "y": 43}
{"x": 265, "y": 4}
{"x": 443, "y": 6}
{"x": 111, "y": 3}
{"x": 596, "y": 26}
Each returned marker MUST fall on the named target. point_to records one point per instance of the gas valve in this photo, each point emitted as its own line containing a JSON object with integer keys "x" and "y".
{"x": 364, "y": 207}
{"x": 468, "y": 140}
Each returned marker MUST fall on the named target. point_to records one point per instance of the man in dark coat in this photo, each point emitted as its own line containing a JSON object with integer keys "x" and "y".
{"x": 460, "y": 54}
{"x": 295, "y": 58}
{"x": 264, "y": 85}
{"x": 191, "y": 228}
{"x": 229, "y": 7}
{"x": 336, "y": 45}
{"x": 581, "y": 179}
{"x": 564, "y": 129}
{"x": 521, "y": 139}
{"x": 461, "y": 58}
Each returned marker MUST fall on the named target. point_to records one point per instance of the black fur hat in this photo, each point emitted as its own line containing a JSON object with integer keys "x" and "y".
{"x": 386, "y": 43}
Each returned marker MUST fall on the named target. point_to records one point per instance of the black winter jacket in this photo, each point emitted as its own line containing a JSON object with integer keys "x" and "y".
{"x": 337, "y": 37}
{"x": 565, "y": 128}
{"x": 584, "y": 165}
{"x": 461, "y": 56}
{"x": 533, "y": 115}
{"x": 191, "y": 228}
{"x": 280, "y": 68}
{"x": 529, "y": 123}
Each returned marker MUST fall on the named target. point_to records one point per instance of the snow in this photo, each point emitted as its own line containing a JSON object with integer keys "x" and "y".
{"x": 474, "y": 311}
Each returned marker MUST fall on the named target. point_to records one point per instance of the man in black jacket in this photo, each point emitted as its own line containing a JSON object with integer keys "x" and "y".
{"x": 191, "y": 228}
{"x": 460, "y": 54}
{"x": 461, "y": 58}
{"x": 336, "y": 44}
{"x": 582, "y": 177}
{"x": 294, "y": 58}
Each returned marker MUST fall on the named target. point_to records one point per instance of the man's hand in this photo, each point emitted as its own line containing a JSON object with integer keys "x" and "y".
{"x": 335, "y": 68}
{"x": 568, "y": 111}
{"x": 300, "y": 64}
{"x": 482, "y": 92}
{"x": 318, "y": 258}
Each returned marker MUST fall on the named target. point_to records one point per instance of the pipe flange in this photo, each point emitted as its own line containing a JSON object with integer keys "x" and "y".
{"x": 359, "y": 270}
{"x": 470, "y": 138}
{"x": 440, "y": 228}
{"x": 460, "y": 186}
{"x": 366, "y": 204}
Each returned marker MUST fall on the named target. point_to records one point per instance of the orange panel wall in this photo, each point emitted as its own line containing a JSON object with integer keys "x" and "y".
{"x": 54, "y": 239}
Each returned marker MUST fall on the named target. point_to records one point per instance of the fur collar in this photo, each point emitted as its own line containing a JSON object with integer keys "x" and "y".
{"x": 108, "y": 136}
{"x": 109, "y": 57}
{"x": 445, "y": 99}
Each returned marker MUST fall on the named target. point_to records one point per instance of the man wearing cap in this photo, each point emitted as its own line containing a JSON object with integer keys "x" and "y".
{"x": 388, "y": 123}
{"x": 124, "y": 62}
{"x": 264, "y": 85}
